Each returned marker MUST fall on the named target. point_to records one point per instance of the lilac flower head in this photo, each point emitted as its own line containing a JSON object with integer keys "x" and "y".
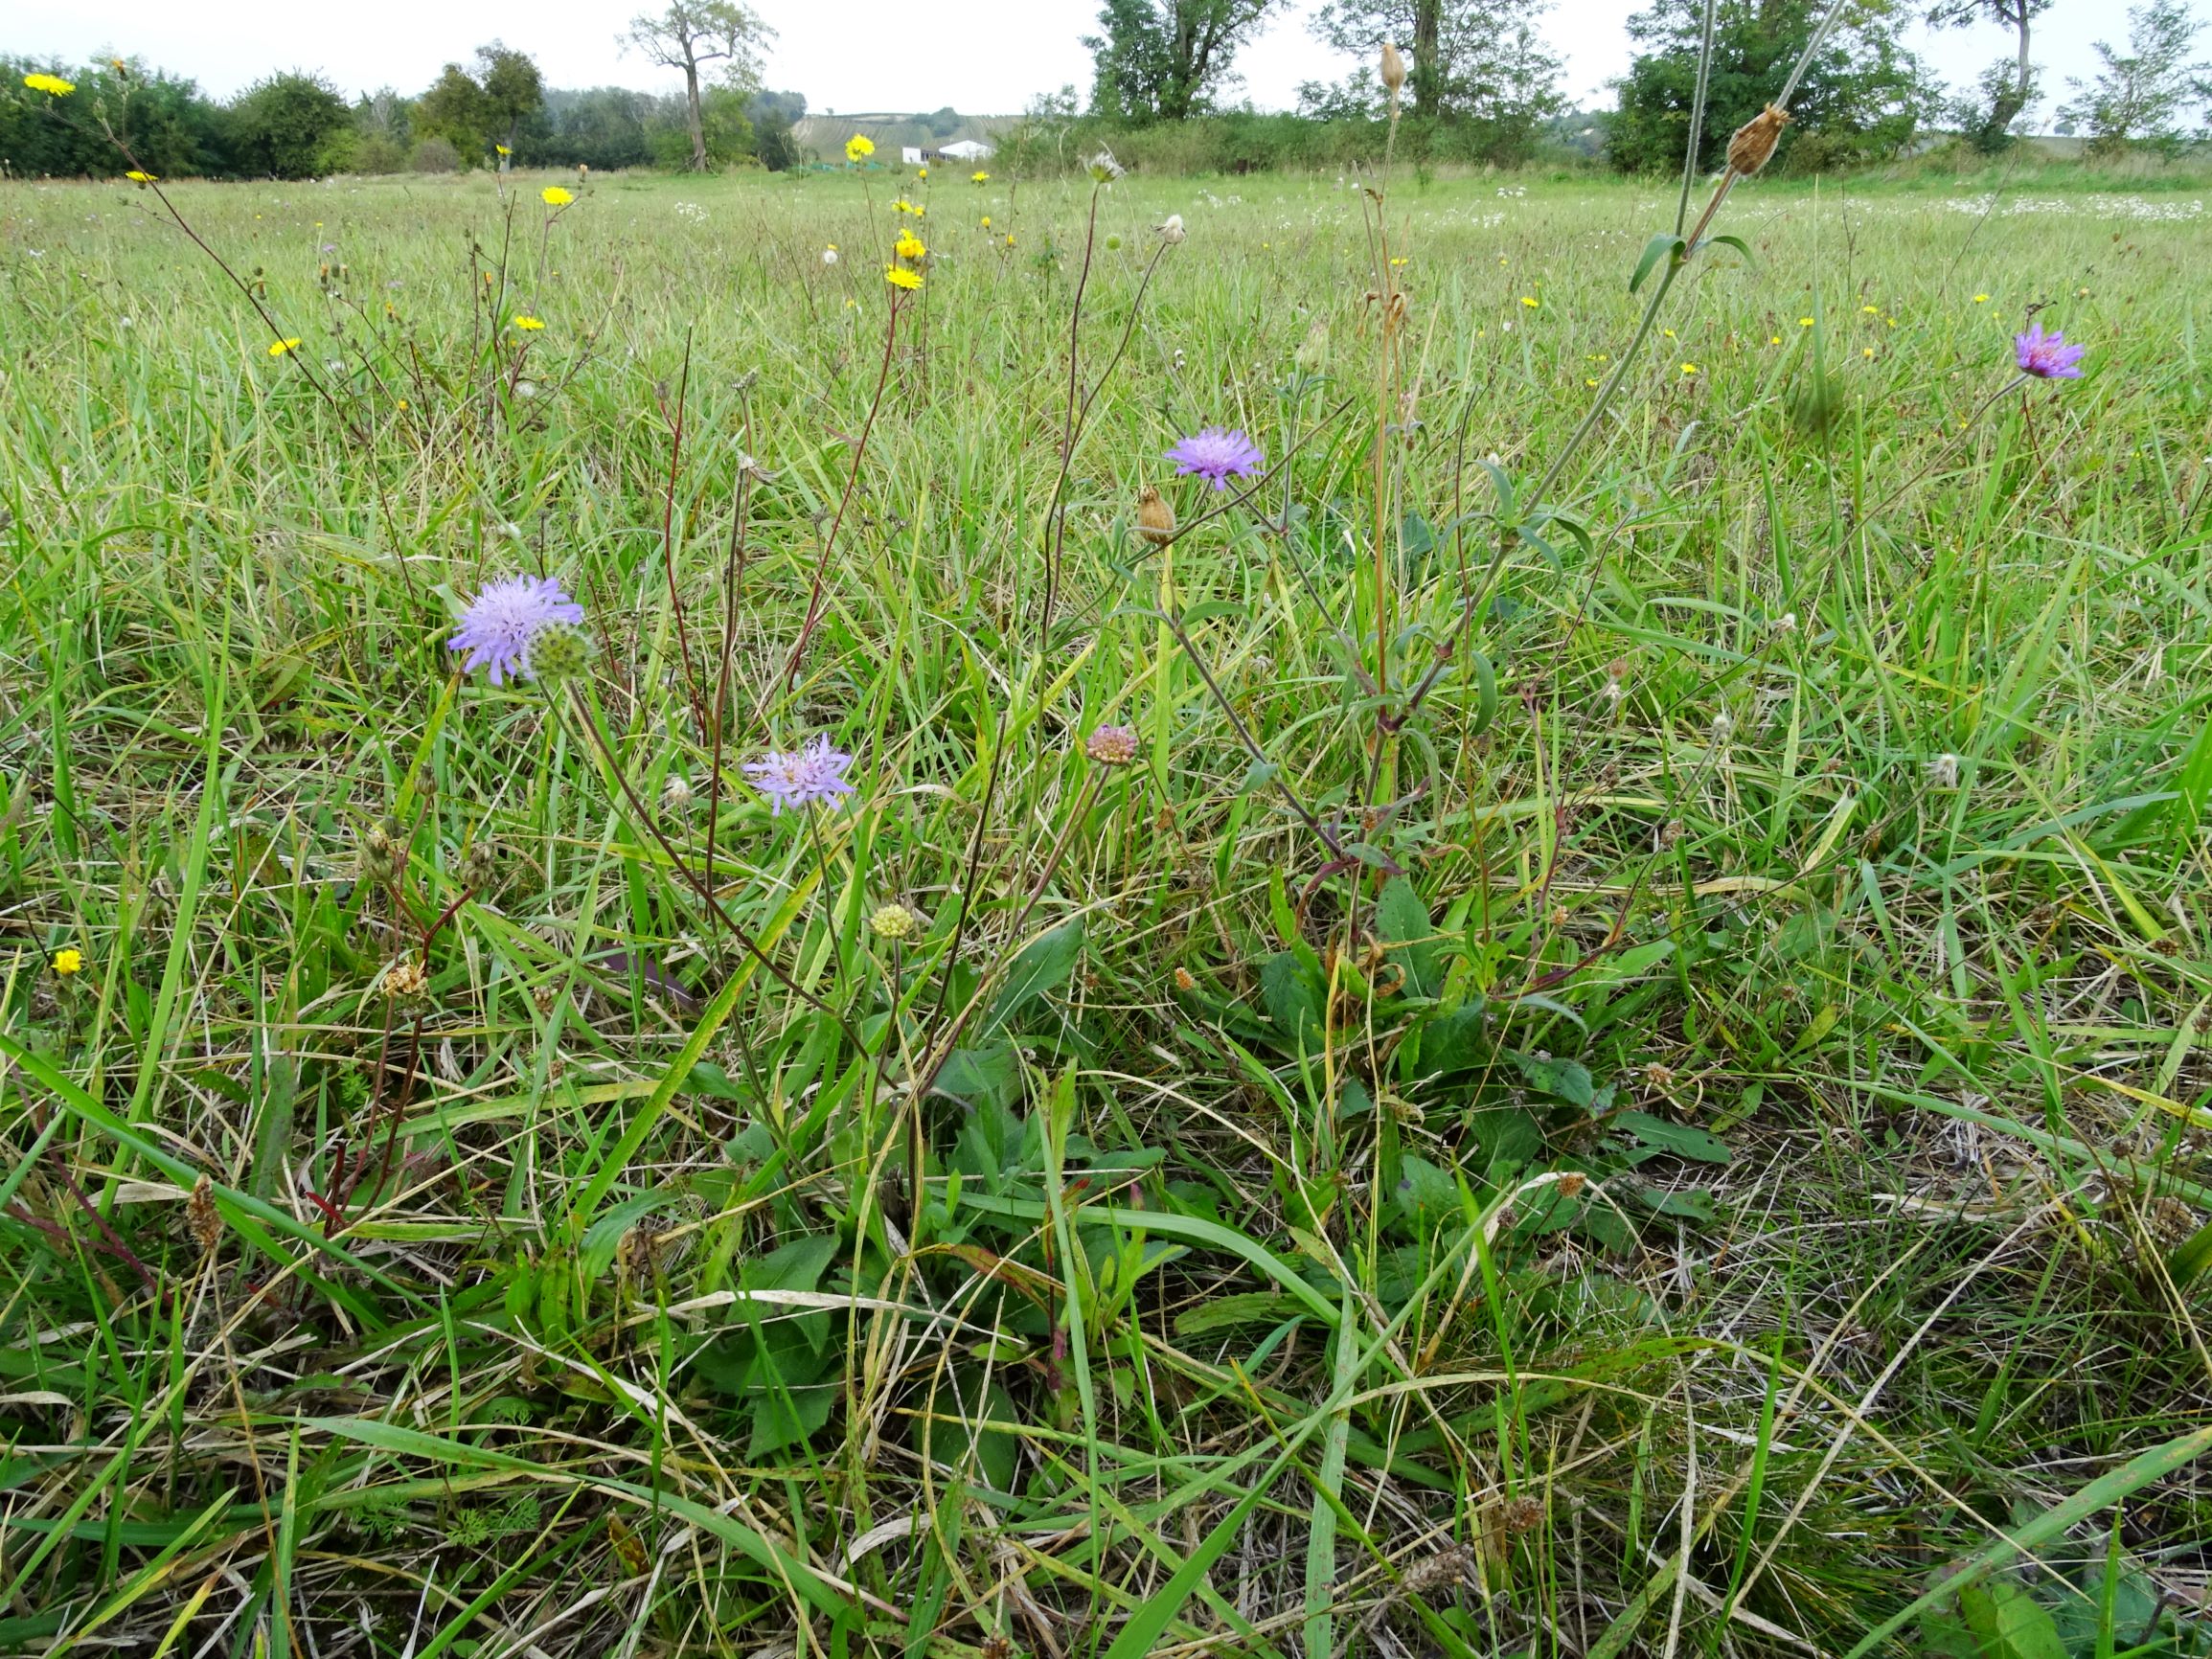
{"x": 500, "y": 625}
{"x": 812, "y": 776}
{"x": 2048, "y": 356}
{"x": 1218, "y": 455}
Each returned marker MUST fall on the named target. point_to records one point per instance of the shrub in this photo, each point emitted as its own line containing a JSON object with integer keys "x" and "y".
{"x": 436, "y": 155}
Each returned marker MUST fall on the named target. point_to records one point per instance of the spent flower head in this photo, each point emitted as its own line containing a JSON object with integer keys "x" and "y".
{"x": 2047, "y": 356}
{"x": 1104, "y": 169}
{"x": 1171, "y": 229}
{"x": 1218, "y": 455}
{"x": 807, "y": 776}
{"x": 504, "y": 625}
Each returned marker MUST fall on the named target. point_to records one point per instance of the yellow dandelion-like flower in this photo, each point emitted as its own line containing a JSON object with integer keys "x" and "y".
{"x": 1891, "y": 321}
{"x": 502, "y": 149}
{"x": 1669, "y": 332}
{"x": 1689, "y": 368}
{"x": 1589, "y": 382}
{"x": 1804, "y": 322}
{"x": 553, "y": 195}
{"x": 1866, "y": 350}
{"x": 530, "y": 325}
{"x": 52, "y": 85}
{"x": 979, "y": 178}
{"x": 1774, "y": 340}
{"x": 68, "y": 962}
{"x": 921, "y": 173}
{"x": 899, "y": 277}
{"x": 1010, "y": 238}
{"x": 283, "y": 346}
{"x": 986, "y": 221}
{"x": 1531, "y": 302}
{"x": 1397, "y": 260}
{"x": 137, "y": 177}
{"x": 909, "y": 246}
{"x": 902, "y": 206}
{"x": 1981, "y": 299}
{"x": 859, "y": 149}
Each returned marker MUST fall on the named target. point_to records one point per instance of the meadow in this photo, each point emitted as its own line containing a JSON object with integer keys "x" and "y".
{"x": 1571, "y": 1018}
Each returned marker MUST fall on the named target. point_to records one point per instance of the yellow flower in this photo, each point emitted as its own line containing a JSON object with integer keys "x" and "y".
{"x": 900, "y": 278}
{"x": 1589, "y": 382}
{"x": 502, "y": 149}
{"x": 1804, "y": 322}
{"x": 1871, "y": 310}
{"x": 1774, "y": 340}
{"x": 137, "y": 177}
{"x": 553, "y": 195}
{"x": 909, "y": 246}
{"x": 986, "y": 221}
{"x": 68, "y": 962}
{"x": 859, "y": 149}
{"x": 52, "y": 85}
{"x": 902, "y": 206}
{"x": 1981, "y": 299}
{"x": 979, "y": 178}
{"x": 921, "y": 173}
{"x": 1689, "y": 368}
{"x": 530, "y": 325}
{"x": 1530, "y": 301}
{"x": 1669, "y": 332}
{"x": 1010, "y": 238}
{"x": 1867, "y": 352}
{"x": 283, "y": 346}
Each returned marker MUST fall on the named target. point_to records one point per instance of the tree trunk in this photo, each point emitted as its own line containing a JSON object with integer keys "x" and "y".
{"x": 1428, "y": 74}
{"x": 699, "y": 126}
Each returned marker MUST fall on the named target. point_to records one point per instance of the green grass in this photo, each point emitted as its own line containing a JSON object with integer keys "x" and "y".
{"x": 1720, "y": 1143}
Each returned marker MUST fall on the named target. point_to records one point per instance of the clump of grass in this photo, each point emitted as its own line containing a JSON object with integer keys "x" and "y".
{"x": 1567, "y": 1018}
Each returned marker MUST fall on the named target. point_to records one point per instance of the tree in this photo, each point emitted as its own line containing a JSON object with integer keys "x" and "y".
{"x": 2007, "y": 88}
{"x": 773, "y": 115}
{"x": 293, "y": 126}
{"x": 1480, "y": 63}
{"x": 694, "y": 33}
{"x": 454, "y": 110}
{"x": 513, "y": 91}
{"x": 1863, "y": 94}
{"x": 2138, "y": 96}
{"x": 1167, "y": 59}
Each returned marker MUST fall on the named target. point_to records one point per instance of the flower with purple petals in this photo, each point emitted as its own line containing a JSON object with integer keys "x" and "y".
{"x": 1218, "y": 455}
{"x": 2048, "y": 356}
{"x": 807, "y": 776}
{"x": 501, "y": 624}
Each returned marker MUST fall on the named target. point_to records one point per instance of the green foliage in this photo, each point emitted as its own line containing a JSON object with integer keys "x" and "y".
{"x": 293, "y": 126}
{"x": 2139, "y": 96}
{"x": 1168, "y": 59}
{"x": 1473, "y": 64}
{"x": 1862, "y": 97}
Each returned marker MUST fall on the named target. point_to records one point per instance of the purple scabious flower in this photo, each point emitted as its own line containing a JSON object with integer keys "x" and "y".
{"x": 1218, "y": 455}
{"x": 807, "y": 776}
{"x": 501, "y": 622}
{"x": 2048, "y": 356}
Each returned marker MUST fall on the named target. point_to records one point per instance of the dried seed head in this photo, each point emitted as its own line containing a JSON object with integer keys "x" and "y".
{"x": 1184, "y": 981}
{"x": 1752, "y": 145}
{"x": 675, "y": 795}
{"x": 1393, "y": 70}
{"x": 407, "y": 983}
{"x": 201, "y": 1218}
{"x": 1313, "y": 354}
{"x": 480, "y": 866}
{"x": 1437, "y": 1571}
{"x": 995, "y": 1645}
{"x": 1943, "y": 772}
{"x": 383, "y": 852}
{"x": 1522, "y": 1515}
{"x": 1571, "y": 1183}
{"x": 1156, "y": 518}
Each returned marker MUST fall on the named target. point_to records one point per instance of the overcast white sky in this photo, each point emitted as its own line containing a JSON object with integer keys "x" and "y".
{"x": 982, "y": 56}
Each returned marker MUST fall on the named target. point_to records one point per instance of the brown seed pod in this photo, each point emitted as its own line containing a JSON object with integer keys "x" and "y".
{"x": 1156, "y": 518}
{"x": 1752, "y": 145}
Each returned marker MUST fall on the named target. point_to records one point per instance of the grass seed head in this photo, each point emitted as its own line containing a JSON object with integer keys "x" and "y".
{"x": 201, "y": 1218}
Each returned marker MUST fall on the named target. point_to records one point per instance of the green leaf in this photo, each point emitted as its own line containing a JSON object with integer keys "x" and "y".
{"x": 1732, "y": 241}
{"x": 1664, "y": 244}
{"x": 1402, "y": 919}
{"x": 2009, "y": 1623}
{"x": 1046, "y": 962}
{"x": 1292, "y": 1001}
{"x": 1680, "y": 1139}
{"x": 1563, "y": 1080}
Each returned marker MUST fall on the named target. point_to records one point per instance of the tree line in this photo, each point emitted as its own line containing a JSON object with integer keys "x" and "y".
{"x": 1483, "y": 85}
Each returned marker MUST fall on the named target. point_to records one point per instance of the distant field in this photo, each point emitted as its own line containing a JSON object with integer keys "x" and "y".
{"x": 1615, "y": 1062}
